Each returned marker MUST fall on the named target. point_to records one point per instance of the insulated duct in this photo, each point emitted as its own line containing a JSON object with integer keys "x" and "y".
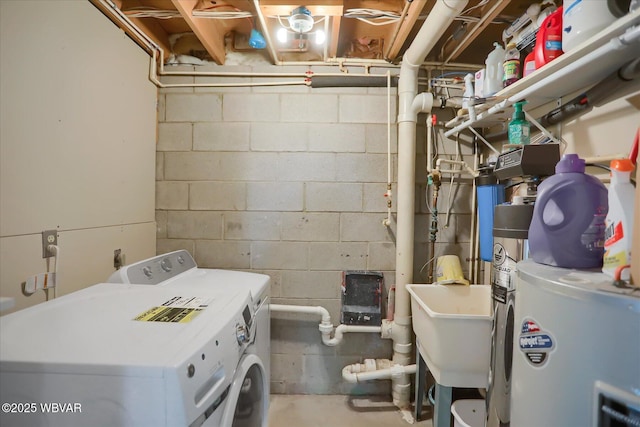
{"x": 346, "y": 81}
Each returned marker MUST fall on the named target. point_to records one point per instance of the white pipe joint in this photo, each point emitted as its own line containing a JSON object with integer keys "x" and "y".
{"x": 395, "y": 330}
{"x": 343, "y": 329}
{"x": 421, "y": 103}
{"x": 318, "y": 310}
{"x": 325, "y": 327}
{"x": 379, "y": 369}
{"x": 461, "y": 163}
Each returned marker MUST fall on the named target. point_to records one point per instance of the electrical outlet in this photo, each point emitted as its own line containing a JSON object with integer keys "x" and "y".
{"x": 49, "y": 237}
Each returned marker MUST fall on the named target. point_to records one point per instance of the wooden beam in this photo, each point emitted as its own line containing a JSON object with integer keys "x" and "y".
{"x": 316, "y": 7}
{"x": 209, "y": 31}
{"x": 150, "y": 28}
{"x": 406, "y": 26}
{"x": 334, "y": 37}
{"x": 488, "y": 13}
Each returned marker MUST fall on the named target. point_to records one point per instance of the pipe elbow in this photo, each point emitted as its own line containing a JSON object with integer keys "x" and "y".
{"x": 422, "y": 103}
{"x": 326, "y": 334}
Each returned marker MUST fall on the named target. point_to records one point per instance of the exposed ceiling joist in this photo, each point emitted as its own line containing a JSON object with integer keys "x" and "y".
{"x": 488, "y": 13}
{"x": 405, "y": 28}
{"x": 360, "y": 29}
{"x": 152, "y": 29}
{"x": 316, "y": 7}
{"x": 334, "y": 37}
{"x": 209, "y": 31}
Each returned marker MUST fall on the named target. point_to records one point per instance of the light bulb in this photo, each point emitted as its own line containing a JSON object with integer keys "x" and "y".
{"x": 320, "y": 37}
{"x": 282, "y": 35}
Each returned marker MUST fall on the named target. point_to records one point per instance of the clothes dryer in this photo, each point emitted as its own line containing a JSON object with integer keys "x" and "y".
{"x": 187, "y": 348}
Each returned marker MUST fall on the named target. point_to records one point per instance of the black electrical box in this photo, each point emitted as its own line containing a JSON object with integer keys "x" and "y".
{"x": 528, "y": 160}
{"x": 362, "y": 298}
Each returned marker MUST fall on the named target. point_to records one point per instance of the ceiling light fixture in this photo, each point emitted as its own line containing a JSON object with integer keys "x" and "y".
{"x": 301, "y": 20}
{"x": 301, "y": 23}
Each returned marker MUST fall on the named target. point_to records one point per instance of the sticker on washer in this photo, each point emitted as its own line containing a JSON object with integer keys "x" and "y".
{"x": 175, "y": 310}
{"x": 535, "y": 343}
{"x": 503, "y": 271}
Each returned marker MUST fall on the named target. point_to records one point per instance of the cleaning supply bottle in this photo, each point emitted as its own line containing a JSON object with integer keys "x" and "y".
{"x": 511, "y": 65}
{"x": 494, "y": 71}
{"x": 549, "y": 39}
{"x": 519, "y": 127}
{"x": 619, "y": 220}
{"x": 529, "y": 64}
{"x": 567, "y": 228}
{"x": 582, "y": 19}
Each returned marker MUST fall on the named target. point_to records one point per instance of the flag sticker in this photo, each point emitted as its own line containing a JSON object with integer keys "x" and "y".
{"x": 535, "y": 343}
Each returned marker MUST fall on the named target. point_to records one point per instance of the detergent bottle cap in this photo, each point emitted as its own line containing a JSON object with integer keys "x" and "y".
{"x": 622, "y": 165}
{"x": 570, "y": 163}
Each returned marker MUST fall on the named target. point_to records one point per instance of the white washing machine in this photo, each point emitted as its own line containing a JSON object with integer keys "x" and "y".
{"x": 170, "y": 345}
{"x": 576, "y": 355}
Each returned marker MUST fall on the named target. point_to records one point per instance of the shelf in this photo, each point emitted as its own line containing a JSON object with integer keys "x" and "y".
{"x": 579, "y": 69}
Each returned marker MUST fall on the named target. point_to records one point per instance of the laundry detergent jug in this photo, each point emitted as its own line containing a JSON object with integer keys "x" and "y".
{"x": 549, "y": 39}
{"x": 568, "y": 224}
{"x": 494, "y": 70}
{"x": 581, "y": 19}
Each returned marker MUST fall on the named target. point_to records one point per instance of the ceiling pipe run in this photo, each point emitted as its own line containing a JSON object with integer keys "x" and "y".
{"x": 438, "y": 20}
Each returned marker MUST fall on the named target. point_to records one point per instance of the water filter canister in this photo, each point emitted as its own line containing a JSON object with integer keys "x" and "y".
{"x": 490, "y": 194}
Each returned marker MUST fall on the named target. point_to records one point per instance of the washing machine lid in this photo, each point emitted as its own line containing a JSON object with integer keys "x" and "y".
{"x": 178, "y": 268}
{"x": 576, "y": 283}
{"x": 117, "y": 328}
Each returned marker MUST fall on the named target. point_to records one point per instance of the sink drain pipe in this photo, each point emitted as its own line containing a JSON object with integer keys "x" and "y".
{"x": 326, "y": 327}
{"x": 438, "y": 20}
{"x": 375, "y": 369}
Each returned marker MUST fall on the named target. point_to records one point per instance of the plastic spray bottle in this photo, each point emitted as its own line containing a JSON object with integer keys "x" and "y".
{"x": 619, "y": 220}
{"x": 519, "y": 127}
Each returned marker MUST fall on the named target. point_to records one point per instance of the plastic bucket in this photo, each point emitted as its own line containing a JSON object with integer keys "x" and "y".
{"x": 469, "y": 413}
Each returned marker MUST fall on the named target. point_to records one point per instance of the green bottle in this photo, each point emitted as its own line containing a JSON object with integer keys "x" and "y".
{"x": 519, "y": 127}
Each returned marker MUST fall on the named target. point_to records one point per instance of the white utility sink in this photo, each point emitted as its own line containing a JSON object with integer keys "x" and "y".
{"x": 452, "y": 324}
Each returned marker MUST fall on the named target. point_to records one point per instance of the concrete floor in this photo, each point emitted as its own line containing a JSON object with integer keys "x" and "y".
{"x": 338, "y": 411}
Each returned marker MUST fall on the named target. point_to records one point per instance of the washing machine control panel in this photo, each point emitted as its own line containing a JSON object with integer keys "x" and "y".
{"x": 155, "y": 270}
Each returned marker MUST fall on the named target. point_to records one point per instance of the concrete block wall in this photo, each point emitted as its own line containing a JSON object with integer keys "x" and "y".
{"x": 290, "y": 181}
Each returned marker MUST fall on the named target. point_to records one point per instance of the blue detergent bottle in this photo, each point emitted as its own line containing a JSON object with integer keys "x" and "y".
{"x": 567, "y": 228}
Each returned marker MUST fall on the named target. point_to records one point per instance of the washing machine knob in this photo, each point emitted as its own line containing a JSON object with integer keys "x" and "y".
{"x": 147, "y": 271}
{"x": 166, "y": 265}
{"x": 242, "y": 334}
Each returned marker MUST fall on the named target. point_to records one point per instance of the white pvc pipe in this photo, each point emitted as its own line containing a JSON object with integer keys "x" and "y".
{"x": 429, "y": 142}
{"x": 361, "y": 372}
{"x": 471, "y": 171}
{"x": 326, "y": 327}
{"x": 389, "y": 194}
{"x": 439, "y": 19}
{"x": 305, "y": 309}
{"x": 343, "y": 329}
